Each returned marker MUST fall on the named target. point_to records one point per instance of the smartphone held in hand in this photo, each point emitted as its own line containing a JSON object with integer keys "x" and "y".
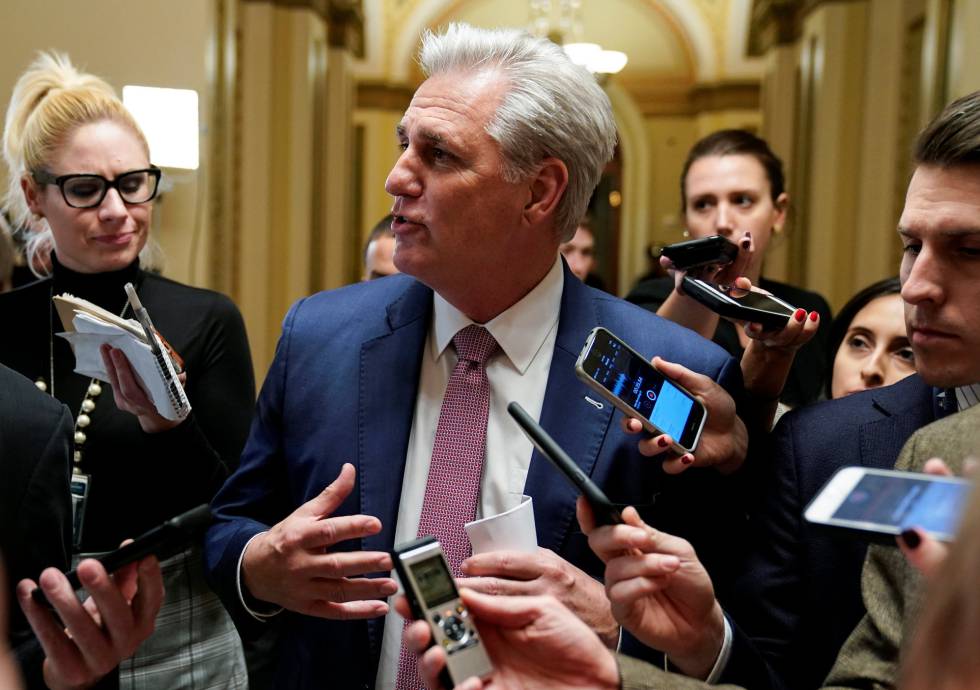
{"x": 752, "y": 306}
{"x": 627, "y": 380}
{"x": 163, "y": 541}
{"x": 706, "y": 251}
{"x": 879, "y": 504}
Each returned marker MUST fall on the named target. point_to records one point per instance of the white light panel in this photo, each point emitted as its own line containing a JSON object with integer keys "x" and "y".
{"x": 169, "y": 120}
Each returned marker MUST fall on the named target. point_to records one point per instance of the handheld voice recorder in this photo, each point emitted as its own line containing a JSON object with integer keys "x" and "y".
{"x": 433, "y": 597}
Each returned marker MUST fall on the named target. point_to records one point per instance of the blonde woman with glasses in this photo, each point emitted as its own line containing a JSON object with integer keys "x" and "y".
{"x": 81, "y": 178}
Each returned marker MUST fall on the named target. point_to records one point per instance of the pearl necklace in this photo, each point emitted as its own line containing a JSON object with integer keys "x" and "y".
{"x": 92, "y": 392}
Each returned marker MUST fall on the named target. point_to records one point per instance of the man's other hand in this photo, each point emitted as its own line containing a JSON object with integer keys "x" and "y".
{"x": 292, "y": 565}
{"x": 544, "y": 572}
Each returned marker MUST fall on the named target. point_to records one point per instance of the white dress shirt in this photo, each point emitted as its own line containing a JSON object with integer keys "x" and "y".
{"x": 519, "y": 371}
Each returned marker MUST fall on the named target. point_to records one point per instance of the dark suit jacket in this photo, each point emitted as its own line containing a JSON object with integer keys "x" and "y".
{"x": 342, "y": 388}
{"x": 799, "y": 597}
{"x": 35, "y": 505}
{"x": 890, "y": 587}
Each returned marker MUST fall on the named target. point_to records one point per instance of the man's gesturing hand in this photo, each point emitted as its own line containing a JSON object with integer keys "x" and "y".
{"x": 292, "y": 565}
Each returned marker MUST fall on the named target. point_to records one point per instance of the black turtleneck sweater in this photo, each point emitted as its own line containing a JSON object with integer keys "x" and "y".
{"x": 139, "y": 479}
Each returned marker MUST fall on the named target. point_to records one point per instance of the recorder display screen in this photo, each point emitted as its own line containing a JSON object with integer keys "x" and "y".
{"x": 639, "y": 385}
{"x": 434, "y": 581}
{"x": 905, "y": 502}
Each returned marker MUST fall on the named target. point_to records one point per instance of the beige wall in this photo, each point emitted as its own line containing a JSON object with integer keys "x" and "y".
{"x": 145, "y": 43}
{"x": 964, "y": 49}
{"x": 380, "y": 151}
{"x": 670, "y": 138}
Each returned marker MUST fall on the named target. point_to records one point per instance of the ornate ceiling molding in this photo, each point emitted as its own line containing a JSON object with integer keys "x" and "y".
{"x": 779, "y": 22}
{"x": 344, "y": 20}
{"x": 663, "y": 97}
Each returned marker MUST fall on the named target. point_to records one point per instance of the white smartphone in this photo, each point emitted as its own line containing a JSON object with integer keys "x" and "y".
{"x": 627, "y": 380}
{"x": 879, "y": 504}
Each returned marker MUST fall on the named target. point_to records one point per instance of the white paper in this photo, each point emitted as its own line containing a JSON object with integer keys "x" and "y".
{"x": 512, "y": 530}
{"x": 89, "y": 336}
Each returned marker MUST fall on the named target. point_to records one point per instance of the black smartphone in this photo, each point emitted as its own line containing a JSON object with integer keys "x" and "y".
{"x": 878, "y": 504}
{"x": 606, "y": 512}
{"x": 701, "y": 252}
{"x": 163, "y": 541}
{"x": 433, "y": 597}
{"x": 742, "y": 305}
{"x": 625, "y": 378}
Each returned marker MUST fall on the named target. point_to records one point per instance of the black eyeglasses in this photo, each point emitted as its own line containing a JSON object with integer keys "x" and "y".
{"x": 87, "y": 190}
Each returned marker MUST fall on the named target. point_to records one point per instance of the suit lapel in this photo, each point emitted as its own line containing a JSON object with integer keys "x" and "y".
{"x": 388, "y": 385}
{"x": 906, "y": 406}
{"x": 577, "y": 425}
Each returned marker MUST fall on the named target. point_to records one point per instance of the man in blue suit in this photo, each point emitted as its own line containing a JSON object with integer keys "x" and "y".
{"x": 501, "y": 148}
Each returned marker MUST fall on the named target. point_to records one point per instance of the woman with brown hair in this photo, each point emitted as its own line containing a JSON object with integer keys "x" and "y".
{"x": 732, "y": 185}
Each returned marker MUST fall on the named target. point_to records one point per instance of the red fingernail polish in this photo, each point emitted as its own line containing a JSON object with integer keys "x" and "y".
{"x": 813, "y": 316}
{"x": 800, "y": 315}
{"x": 662, "y": 442}
{"x": 687, "y": 460}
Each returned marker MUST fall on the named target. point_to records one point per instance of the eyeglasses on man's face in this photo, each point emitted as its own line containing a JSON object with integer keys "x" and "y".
{"x": 87, "y": 190}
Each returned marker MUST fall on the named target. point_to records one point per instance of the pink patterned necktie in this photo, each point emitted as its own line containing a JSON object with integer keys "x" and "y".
{"x": 453, "y": 486}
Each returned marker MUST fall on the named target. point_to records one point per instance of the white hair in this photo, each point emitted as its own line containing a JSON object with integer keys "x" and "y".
{"x": 552, "y": 107}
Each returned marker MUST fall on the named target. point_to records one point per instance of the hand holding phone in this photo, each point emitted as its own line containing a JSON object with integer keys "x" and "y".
{"x": 433, "y": 597}
{"x": 163, "y": 541}
{"x": 879, "y": 504}
{"x": 627, "y": 380}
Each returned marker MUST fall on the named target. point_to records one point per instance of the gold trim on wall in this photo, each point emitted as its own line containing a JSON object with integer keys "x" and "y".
{"x": 223, "y": 162}
{"x": 381, "y": 96}
{"x": 667, "y": 96}
{"x": 779, "y": 22}
{"x": 344, "y": 20}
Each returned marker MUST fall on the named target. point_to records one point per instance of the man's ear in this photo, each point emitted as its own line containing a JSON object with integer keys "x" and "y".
{"x": 32, "y": 194}
{"x": 546, "y": 190}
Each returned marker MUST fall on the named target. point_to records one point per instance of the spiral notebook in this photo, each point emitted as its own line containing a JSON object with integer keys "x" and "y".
{"x": 88, "y": 326}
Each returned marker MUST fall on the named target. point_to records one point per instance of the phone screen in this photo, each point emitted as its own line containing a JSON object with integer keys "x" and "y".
{"x": 635, "y": 382}
{"x": 935, "y": 506}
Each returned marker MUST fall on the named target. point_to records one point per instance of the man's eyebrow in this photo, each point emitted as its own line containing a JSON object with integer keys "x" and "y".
{"x": 952, "y": 232}
{"x": 428, "y": 135}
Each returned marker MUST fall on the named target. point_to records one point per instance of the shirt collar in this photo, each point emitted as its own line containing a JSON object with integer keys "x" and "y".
{"x": 967, "y": 396}
{"x": 520, "y": 330}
